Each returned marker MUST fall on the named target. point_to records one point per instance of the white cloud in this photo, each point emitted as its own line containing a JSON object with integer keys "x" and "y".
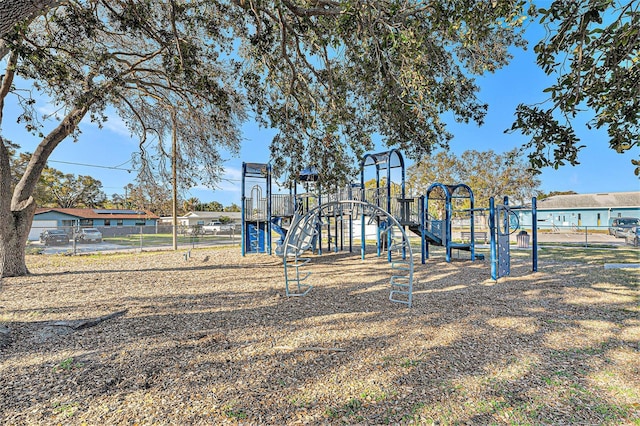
{"x": 231, "y": 182}
{"x": 113, "y": 124}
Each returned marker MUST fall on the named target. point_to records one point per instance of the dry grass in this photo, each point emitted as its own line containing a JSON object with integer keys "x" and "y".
{"x": 214, "y": 340}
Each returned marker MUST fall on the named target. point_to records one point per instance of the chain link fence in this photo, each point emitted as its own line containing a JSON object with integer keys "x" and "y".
{"x": 68, "y": 240}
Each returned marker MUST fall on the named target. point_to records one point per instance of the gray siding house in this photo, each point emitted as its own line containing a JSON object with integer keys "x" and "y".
{"x": 594, "y": 211}
{"x": 108, "y": 221}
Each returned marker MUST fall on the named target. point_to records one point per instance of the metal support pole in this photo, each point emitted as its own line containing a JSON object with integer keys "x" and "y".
{"x": 447, "y": 226}
{"x": 534, "y": 234}
{"x": 268, "y": 222}
{"x": 243, "y": 218}
{"x": 423, "y": 225}
{"x": 492, "y": 231}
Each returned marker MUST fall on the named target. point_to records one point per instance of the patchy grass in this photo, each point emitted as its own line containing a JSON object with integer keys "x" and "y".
{"x": 212, "y": 339}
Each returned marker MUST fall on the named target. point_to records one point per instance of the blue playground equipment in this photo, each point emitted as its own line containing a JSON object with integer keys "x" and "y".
{"x": 256, "y": 208}
{"x": 264, "y": 212}
{"x": 387, "y": 194}
{"x": 503, "y": 221}
{"x": 378, "y": 208}
{"x": 442, "y": 205}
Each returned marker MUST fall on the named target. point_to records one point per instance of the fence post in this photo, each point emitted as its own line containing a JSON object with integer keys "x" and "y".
{"x": 586, "y": 237}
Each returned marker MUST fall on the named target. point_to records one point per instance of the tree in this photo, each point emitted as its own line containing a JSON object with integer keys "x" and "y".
{"x": 69, "y": 191}
{"x": 90, "y": 54}
{"x": 232, "y": 208}
{"x": 225, "y": 219}
{"x": 592, "y": 47}
{"x": 54, "y": 188}
{"x": 542, "y": 195}
{"x": 214, "y": 206}
{"x": 152, "y": 196}
{"x": 15, "y": 11}
{"x": 327, "y": 75}
{"x": 487, "y": 174}
{"x": 190, "y": 204}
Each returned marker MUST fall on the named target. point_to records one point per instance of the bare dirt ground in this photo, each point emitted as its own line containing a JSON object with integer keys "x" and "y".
{"x": 214, "y": 340}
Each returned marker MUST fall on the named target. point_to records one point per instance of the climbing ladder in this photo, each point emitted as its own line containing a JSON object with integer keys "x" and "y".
{"x": 254, "y": 238}
{"x": 402, "y": 278}
{"x": 303, "y": 233}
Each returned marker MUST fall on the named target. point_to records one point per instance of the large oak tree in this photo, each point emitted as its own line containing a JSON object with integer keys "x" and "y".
{"x": 327, "y": 74}
{"x": 592, "y": 48}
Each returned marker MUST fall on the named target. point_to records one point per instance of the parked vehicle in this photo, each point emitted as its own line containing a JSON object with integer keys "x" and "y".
{"x": 89, "y": 235}
{"x": 620, "y": 225}
{"x": 215, "y": 226}
{"x": 633, "y": 237}
{"x": 52, "y": 237}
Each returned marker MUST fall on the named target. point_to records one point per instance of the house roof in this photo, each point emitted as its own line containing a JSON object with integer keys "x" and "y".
{"x": 600, "y": 200}
{"x": 101, "y": 213}
{"x": 209, "y": 215}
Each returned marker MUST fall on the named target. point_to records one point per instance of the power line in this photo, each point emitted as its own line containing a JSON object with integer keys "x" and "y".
{"x": 92, "y": 165}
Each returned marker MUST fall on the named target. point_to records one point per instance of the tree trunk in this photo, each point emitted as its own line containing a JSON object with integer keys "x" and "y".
{"x": 13, "y": 242}
{"x": 14, "y": 11}
{"x": 17, "y": 212}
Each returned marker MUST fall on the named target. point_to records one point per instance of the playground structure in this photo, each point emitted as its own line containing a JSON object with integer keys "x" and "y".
{"x": 502, "y": 223}
{"x": 256, "y": 208}
{"x": 377, "y": 209}
{"x": 304, "y": 231}
{"x": 443, "y": 204}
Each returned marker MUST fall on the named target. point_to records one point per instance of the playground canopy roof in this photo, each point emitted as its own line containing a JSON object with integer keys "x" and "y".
{"x": 310, "y": 174}
{"x": 383, "y": 160}
{"x": 256, "y": 169}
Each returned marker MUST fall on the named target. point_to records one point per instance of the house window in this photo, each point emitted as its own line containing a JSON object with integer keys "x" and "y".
{"x": 140, "y": 222}
{"x": 67, "y": 223}
{"x": 119, "y": 222}
{"x": 86, "y": 222}
{"x": 107, "y": 222}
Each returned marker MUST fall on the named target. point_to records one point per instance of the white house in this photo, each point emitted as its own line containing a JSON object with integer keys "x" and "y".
{"x": 194, "y": 218}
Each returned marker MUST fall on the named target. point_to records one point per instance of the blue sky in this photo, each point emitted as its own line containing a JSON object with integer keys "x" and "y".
{"x": 107, "y": 151}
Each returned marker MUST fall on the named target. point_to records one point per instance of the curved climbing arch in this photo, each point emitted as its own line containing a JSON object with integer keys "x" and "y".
{"x": 303, "y": 233}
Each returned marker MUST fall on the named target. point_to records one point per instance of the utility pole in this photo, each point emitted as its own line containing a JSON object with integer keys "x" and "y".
{"x": 174, "y": 172}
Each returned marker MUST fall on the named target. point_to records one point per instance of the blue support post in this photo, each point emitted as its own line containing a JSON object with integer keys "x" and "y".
{"x": 268, "y": 225}
{"x": 472, "y": 228}
{"x": 423, "y": 226}
{"x": 534, "y": 233}
{"x": 506, "y": 216}
{"x": 492, "y": 231}
{"x": 243, "y": 232}
{"x": 362, "y": 222}
{"x": 447, "y": 228}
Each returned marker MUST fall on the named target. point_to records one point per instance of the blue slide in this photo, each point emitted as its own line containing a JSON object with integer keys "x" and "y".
{"x": 276, "y": 226}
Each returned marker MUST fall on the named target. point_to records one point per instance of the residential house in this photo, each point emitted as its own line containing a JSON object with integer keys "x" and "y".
{"x": 195, "y": 218}
{"x": 109, "y": 221}
{"x": 595, "y": 211}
